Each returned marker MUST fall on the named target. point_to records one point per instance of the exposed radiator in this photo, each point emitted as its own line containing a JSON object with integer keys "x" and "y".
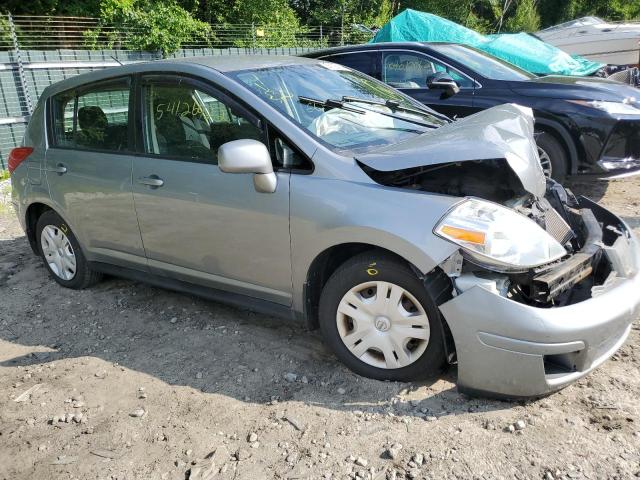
{"x": 557, "y": 227}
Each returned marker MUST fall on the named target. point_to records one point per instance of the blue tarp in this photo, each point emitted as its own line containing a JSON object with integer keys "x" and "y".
{"x": 521, "y": 49}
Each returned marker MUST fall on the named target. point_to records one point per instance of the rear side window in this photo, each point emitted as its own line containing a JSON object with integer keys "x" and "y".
{"x": 365, "y": 62}
{"x": 96, "y": 118}
{"x": 184, "y": 122}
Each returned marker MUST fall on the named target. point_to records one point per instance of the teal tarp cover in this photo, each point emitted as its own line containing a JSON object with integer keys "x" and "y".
{"x": 521, "y": 49}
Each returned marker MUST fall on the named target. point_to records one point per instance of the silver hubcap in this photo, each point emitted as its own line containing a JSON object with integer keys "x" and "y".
{"x": 545, "y": 162}
{"x": 383, "y": 325}
{"x": 58, "y": 252}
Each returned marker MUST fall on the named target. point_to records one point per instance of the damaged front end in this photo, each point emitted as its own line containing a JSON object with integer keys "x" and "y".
{"x": 590, "y": 236}
{"x": 491, "y": 156}
{"x": 596, "y": 245}
{"x": 545, "y": 284}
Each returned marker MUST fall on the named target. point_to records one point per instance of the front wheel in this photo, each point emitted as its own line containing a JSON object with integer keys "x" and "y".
{"x": 553, "y": 158}
{"x": 380, "y": 320}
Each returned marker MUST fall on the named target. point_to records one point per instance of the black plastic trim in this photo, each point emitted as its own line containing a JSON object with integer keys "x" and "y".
{"x": 243, "y": 302}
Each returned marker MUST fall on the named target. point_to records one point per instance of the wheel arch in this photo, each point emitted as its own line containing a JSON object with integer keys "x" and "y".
{"x": 330, "y": 259}
{"x": 33, "y": 212}
{"x": 563, "y": 136}
{"x": 323, "y": 266}
{"x": 327, "y": 262}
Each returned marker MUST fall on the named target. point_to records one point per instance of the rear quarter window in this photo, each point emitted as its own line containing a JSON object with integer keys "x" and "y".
{"x": 95, "y": 118}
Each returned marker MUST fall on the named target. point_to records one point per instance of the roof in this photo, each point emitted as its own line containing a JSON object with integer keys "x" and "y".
{"x": 425, "y": 46}
{"x": 220, "y": 63}
{"x": 230, "y": 63}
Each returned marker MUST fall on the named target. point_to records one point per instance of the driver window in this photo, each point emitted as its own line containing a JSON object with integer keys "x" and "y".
{"x": 184, "y": 122}
{"x": 411, "y": 70}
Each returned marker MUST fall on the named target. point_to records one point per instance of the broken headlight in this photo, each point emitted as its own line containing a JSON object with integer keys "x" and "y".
{"x": 497, "y": 237}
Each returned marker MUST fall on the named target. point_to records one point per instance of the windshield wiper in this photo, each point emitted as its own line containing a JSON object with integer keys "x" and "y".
{"x": 390, "y": 104}
{"x": 393, "y": 106}
{"x": 329, "y": 104}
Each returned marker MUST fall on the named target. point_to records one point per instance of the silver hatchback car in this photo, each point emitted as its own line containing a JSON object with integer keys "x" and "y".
{"x": 301, "y": 188}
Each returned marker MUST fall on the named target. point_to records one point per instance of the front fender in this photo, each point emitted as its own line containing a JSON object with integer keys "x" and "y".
{"x": 330, "y": 212}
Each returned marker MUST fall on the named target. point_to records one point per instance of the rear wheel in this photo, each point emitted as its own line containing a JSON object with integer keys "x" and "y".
{"x": 381, "y": 321}
{"x": 62, "y": 254}
{"x": 553, "y": 158}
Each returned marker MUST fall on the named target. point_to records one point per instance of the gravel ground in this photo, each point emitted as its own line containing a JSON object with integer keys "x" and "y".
{"x": 127, "y": 381}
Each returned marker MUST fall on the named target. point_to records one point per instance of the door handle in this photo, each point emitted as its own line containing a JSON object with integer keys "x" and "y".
{"x": 59, "y": 169}
{"x": 153, "y": 181}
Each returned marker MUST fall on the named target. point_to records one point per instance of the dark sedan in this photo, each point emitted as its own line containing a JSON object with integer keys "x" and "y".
{"x": 583, "y": 125}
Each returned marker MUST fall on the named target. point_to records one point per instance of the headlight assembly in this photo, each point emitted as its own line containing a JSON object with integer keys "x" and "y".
{"x": 497, "y": 237}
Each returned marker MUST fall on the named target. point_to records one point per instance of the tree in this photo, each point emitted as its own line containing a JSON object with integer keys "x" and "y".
{"x": 163, "y": 26}
{"x": 80, "y": 8}
{"x": 553, "y": 12}
{"x": 469, "y": 13}
{"x": 526, "y": 17}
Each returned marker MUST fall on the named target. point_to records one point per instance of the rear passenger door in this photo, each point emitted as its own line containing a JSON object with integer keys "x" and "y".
{"x": 199, "y": 224}
{"x": 88, "y": 169}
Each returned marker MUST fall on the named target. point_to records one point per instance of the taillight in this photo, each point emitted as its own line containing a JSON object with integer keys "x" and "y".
{"x": 17, "y": 156}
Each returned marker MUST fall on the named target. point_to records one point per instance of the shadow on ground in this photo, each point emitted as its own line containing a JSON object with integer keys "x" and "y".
{"x": 188, "y": 341}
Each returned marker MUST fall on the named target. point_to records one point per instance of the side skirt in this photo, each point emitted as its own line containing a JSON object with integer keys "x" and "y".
{"x": 243, "y": 302}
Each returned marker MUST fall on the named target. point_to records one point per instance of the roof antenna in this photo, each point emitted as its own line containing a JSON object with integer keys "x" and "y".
{"x": 115, "y": 59}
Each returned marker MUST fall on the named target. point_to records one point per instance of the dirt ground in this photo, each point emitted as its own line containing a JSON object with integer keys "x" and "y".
{"x": 128, "y": 381}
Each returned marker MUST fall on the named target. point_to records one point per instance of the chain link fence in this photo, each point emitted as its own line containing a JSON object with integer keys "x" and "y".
{"x": 36, "y": 51}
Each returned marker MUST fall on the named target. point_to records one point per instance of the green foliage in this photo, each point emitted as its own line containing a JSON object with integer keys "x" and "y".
{"x": 4, "y": 174}
{"x": 139, "y": 25}
{"x": 274, "y": 21}
{"x": 167, "y": 25}
{"x": 79, "y": 8}
{"x": 460, "y": 11}
{"x": 5, "y": 31}
{"x": 613, "y": 9}
{"x": 526, "y": 17}
{"x": 554, "y": 11}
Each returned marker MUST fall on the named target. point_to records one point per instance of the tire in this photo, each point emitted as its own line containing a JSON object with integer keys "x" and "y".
{"x": 58, "y": 245}
{"x": 557, "y": 158}
{"x": 427, "y": 357}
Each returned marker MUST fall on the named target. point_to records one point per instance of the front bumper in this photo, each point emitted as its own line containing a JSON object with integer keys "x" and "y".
{"x": 620, "y": 155}
{"x": 509, "y": 349}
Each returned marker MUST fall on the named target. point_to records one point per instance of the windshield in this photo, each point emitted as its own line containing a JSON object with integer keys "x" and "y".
{"x": 344, "y": 124}
{"x": 484, "y": 64}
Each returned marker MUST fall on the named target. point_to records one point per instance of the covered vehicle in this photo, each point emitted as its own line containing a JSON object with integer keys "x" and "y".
{"x": 305, "y": 189}
{"x": 520, "y": 49}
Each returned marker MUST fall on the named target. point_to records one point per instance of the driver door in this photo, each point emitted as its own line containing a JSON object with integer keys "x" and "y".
{"x": 199, "y": 224}
{"x": 408, "y": 72}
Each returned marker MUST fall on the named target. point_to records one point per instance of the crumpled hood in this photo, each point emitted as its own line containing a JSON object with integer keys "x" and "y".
{"x": 505, "y": 131}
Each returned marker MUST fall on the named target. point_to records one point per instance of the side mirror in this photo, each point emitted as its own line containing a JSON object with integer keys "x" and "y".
{"x": 443, "y": 81}
{"x": 249, "y": 156}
